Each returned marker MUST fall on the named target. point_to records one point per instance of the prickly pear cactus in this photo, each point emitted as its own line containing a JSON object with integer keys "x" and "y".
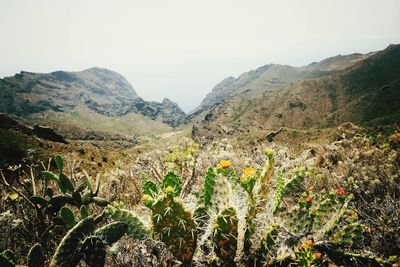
{"x": 349, "y": 236}
{"x": 225, "y": 234}
{"x": 173, "y": 181}
{"x": 67, "y": 216}
{"x": 136, "y": 227}
{"x": 35, "y": 256}
{"x": 297, "y": 221}
{"x": 248, "y": 181}
{"x": 267, "y": 245}
{"x": 209, "y": 185}
{"x": 266, "y": 175}
{"x": 94, "y": 251}
{"x": 284, "y": 190}
{"x": 66, "y": 252}
{"x": 174, "y": 226}
{"x": 112, "y": 232}
{"x": 201, "y": 213}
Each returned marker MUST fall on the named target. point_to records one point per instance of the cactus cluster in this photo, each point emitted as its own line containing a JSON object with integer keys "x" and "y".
{"x": 172, "y": 223}
{"x": 83, "y": 242}
{"x": 303, "y": 228}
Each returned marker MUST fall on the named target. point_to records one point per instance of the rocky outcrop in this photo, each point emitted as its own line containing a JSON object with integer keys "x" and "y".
{"x": 47, "y": 133}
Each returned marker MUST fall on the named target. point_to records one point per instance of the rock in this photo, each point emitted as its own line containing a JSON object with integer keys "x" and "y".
{"x": 270, "y": 137}
{"x": 48, "y": 134}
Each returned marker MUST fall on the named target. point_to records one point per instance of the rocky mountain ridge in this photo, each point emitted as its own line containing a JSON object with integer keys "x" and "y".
{"x": 272, "y": 77}
{"x": 102, "y": 91}
{"x": 364, "y": 89}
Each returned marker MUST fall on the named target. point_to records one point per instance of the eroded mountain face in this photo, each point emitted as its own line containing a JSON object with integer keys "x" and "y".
{"x": 360, "y": 88}
{"x": 100, "y": 90}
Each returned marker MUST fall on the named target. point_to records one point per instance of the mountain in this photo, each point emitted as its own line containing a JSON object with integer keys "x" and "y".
{"x": 364, "y": 89}
{"x": 90, "y": 98}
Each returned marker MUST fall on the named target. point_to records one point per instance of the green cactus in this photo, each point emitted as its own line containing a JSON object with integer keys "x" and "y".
{"x": 66, "y": 252}
{"x": 279, "y": 191}
{"x": 342, "y": 258}
{"x": 284, "y": 190}
{"x": 93, "y": 251}
{"x": 306, "y": 256}
{"x": 35, "y": 256}
{"x": 136, "y": 227}
{"x": 266, "y": 176}
{"x": 67, "y": 216}
{"x": 49, "y": 176}
{"x": 150, "y": 188}
{"x": 112, "y": 232}
{"x": 324, "y": 210}
{"x": 174, "y": 181}
{"x": 250, "y": 218}
{"x": 349, "y": 236}
{"x": 298, "y": 221}
{"x": 39, "y": 200}
{"x": 336, "y": 217}
{"x": 209, "y": 184}
{"x": 174, "y": 226}
{"x": 248, "y": 182}
{"x": 59, "y": 162}
{"x": 225, "y": 234}
{"x": 83, "y": 211}
{"x": 267, "y": 244}
{"x": 201, "y": 213}
{"x": 66, "y": 182}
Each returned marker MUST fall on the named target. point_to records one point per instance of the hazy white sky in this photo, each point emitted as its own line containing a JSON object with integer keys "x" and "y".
{"x": 181, "y": 48}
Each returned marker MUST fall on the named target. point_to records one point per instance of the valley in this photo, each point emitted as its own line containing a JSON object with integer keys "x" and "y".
{"x": 324, "y": 189}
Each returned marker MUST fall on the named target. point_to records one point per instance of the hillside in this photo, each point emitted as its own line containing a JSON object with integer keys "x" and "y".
{"x": 93, "y": 99}
{"x": 359, "y": 88}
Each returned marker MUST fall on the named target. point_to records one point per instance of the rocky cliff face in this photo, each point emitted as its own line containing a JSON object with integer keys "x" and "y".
{"x": 103, "y": 91}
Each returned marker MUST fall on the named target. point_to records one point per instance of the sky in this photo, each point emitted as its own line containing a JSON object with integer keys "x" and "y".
{"x": 180, "y": 49}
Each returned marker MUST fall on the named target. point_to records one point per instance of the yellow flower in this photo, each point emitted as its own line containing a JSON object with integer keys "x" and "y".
{"x": 12, "y": 196}
{"x": 249, "y": 171}
{"x": 224, "y": 164}
{"x": 169, "y": 190}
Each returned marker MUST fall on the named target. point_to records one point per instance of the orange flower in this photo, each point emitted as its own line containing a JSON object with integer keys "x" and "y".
{"x": 224, "y": 164}
{"x": 340, "y": 191}
{"x": 311, "y": 188}
{"x": 309, "y": 199}
{"x": 309, "y": 243}
{"x": 318, "y": 255}
{"x": 249, "y": 171}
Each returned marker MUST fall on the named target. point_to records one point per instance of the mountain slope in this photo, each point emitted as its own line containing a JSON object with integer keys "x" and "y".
{"x": 358, "y": 88}
{"x": 95, "y": 91}
{"x": 270, "y": 78}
